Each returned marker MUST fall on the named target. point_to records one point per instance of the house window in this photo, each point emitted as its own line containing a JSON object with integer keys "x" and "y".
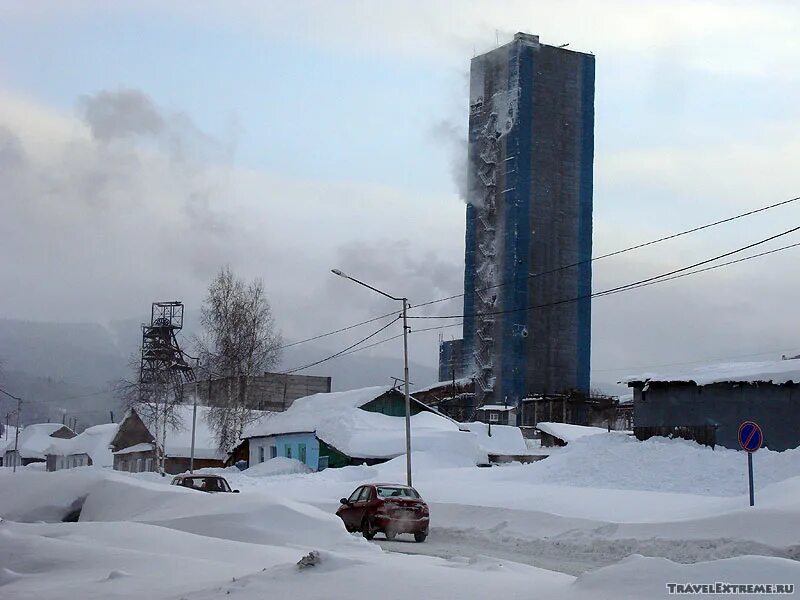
{"x": 322, "y": 463}
{"x": 123, "y": 465}
{"x": 288, "y": 451}
{"x": 261, "y": 454}
{"x": 494, "y": 417}
{"x": 139, "y": 465}
{"x": 148, "y": 464}
{"x": 273, "y": 451}
{"x": 301, "y": 453}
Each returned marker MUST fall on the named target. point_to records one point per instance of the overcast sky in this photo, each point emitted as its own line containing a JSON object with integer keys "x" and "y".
{"x": 144, "y": 146}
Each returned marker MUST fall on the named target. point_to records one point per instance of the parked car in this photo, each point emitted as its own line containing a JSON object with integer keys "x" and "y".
{"x": 205, "y": 483}
{"x": 386, "y": 507}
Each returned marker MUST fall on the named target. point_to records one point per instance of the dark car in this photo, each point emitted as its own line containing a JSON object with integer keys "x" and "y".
{"x": 387, "y": 507}
{"x": 204, "y": 483}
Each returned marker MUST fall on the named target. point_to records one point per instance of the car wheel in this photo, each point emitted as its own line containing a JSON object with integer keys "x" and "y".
{"x": 368, "y": 529}
{"x": 390, "y": 534}
{"x": 420, "y": 536}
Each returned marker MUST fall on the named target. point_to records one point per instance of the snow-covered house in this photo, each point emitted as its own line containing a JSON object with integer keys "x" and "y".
{"x": 709, "y": 403}
{"x": 7, "y": 441}
{"x": 135, "y": 445}
{"x": 34, "y": 440}
{"x": 454, "y": 398}
{"x": 366, "y": 425}
{"x": 90, "y": 447}
{"x": 497, "y": 414}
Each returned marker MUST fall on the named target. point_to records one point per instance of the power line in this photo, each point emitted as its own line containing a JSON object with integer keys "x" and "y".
{"x": 361, "y": 341}
{"x": 623, "y": 250}
{"x": 626, "y": 287}
{"x": 711, "y": 268}
{"x": 10, "y": 395}
{"x": 322, "y": 335}
{"x": 399, "y": 335}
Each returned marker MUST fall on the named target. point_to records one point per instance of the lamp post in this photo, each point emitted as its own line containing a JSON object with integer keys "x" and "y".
{"x": 405, "y": 364}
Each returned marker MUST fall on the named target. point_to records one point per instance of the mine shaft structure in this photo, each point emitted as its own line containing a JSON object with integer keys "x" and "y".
{"x": 163, "y": 369}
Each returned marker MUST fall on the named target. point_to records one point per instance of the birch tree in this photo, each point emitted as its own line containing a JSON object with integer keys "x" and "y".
{"x": 239, "y": 339}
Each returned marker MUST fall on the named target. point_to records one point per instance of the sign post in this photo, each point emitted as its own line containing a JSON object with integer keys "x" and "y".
{"x": 750, "y": 439}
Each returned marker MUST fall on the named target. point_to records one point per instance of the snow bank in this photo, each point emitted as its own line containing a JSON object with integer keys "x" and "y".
{"x": 30, "y": 495}
{"x": 643, "y": 577}
{"x": 256, "y": 517}
{"x": 613, "y": 460}
{"x": 568, "y": 432}
{"x": 280, "y": 465}
{"x": 505, "y": 439}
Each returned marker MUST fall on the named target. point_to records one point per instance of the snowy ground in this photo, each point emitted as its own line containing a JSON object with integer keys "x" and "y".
{"x": 605, "y": 517}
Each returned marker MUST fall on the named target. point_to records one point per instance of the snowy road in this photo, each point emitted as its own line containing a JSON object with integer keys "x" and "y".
{"x": 577, "y": 553}
{"x": 571, "y": 546}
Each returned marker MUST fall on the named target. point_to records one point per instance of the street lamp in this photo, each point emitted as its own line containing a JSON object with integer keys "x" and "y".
{"x": 405, "y": 364}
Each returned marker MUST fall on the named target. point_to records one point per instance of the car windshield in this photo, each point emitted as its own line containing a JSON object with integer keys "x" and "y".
{"x": 385, "y": 491}
{"x": 206, "y": 484}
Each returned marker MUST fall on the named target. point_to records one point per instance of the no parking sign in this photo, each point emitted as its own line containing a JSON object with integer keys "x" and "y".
{"x": 750, "y": 439}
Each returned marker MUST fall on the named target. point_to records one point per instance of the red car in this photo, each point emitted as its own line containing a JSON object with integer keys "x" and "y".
{"x": 387, "y": 507}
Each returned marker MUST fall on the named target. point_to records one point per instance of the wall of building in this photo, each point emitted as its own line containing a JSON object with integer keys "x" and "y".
{"x": 58, "y": 463}
{"x": 724, "y": 405}
{"x": 175, "y": 465}
{"x": 451, "y": 360}
{"x": 261, "y": 448}
{"x": 270, "y": 391}
{"x": 531, "y": 147}
{"x": 136, "y": 462}
{"x": 496, "y": 417}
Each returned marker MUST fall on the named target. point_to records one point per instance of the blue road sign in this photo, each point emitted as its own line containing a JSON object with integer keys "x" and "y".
{"x": 750, "y": 436}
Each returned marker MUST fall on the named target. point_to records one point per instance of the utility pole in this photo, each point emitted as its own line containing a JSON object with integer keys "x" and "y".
{"x": 6, "y": 429}
{"x": 194, "y": 413}
{"x": 16, "y": 436}
{"x": 408, "y": 398}
{"x": 405, "y": 364}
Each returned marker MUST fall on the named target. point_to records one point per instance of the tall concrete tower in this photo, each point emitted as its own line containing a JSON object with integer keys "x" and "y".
{"x": 531, "y": 150}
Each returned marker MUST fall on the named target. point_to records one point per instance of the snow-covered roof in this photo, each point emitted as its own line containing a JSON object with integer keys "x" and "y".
{"x": 337, "y": 419}
{"x": 34, "y": 440}
{"x": 501, "y": 407}
{"x": 305, "y": 414}
{"x": 505, "y": 439}
{"x": 567, "y": 431}
{"x": 143, "y": 447}
{"x": 776, "y": 371}
{"x": 179, "y": 439}
{"x": 93, "y": 441}
{"x": 460, "y": 382}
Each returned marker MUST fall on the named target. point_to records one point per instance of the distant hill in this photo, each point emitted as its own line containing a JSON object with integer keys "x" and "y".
{"x": 73, "y": 366}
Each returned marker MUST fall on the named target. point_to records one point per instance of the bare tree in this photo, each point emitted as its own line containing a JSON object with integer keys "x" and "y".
{"x": 239, "y": 339}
